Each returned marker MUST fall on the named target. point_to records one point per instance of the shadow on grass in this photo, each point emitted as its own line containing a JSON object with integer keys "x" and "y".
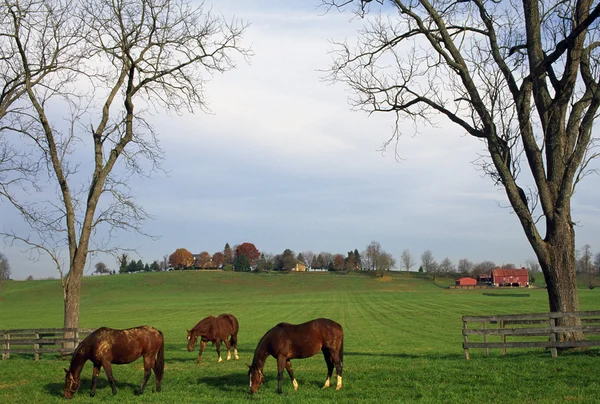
{"x": 229, "y": 383}
{"x": 57, "y": 389}
{"x": 406, "y": 356}
{"x": 209, "y": 356}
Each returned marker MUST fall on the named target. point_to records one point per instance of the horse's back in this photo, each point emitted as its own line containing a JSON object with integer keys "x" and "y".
{"x": 229, "y": 323}
{"x": 122, "y": 346}
{"x": 306, "y": 339}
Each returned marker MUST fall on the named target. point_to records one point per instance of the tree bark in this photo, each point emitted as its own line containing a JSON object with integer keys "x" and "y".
{"x": 558, "y": 266}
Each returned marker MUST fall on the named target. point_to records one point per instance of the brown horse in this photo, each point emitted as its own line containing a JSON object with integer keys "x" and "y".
{"x": 106, "y": 346}
{"x": 290, "y": 341}
{"x": 215, "y": 330}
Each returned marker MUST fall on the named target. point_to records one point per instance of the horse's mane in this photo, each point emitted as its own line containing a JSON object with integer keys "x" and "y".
{"x": 202, "y": 322}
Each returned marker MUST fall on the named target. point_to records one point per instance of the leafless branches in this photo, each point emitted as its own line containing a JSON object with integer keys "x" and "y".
{"x": 84, "y": 75}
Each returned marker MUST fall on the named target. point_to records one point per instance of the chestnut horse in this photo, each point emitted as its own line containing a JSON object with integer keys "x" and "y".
{"x": 290, "y": 341}
{"x": 215, "y": 330}
{"x": 106, "y": 346}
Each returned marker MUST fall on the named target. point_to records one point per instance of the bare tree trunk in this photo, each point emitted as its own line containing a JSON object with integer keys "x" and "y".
{"x": 72, "y": 292}
{"x": 558, "y": 266}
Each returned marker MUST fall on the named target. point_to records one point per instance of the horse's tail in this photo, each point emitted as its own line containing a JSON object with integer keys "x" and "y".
{"x": 159, "y": 366}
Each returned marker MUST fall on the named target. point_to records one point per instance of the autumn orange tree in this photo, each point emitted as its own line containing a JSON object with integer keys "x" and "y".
{"x": 249, "y": 251}
{"x": 218, "y": 259}
{"x": 181, "y": 259}
{"x": 203, "y": 260}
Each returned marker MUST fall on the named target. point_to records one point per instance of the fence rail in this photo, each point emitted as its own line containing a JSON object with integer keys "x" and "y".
{"x": 42, "y": 340}
{"x": 544, "y": 326}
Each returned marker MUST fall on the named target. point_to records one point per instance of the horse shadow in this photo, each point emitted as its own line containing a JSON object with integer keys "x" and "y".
{"x": 57, "y": 389}
{"x": 230, "y": 383}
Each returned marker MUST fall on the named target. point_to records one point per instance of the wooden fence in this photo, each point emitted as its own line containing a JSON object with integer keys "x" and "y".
{"x": 534, "y": 330}
{"x": 43, "y": 340}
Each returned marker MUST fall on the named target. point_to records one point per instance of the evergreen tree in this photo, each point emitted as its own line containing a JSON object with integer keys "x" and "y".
{"x": 241, "y": 263}
{"x": 228, "y": 253}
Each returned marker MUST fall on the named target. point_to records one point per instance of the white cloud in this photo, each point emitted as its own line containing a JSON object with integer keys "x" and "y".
{"x": 283, "y": 162}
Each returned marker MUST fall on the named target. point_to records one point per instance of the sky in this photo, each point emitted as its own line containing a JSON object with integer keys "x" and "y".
{"x": 282, "y": 161}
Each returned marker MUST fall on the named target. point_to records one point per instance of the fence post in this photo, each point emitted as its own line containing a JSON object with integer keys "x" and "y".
{"x": 36, "y": 347}
{"x": 6, "y": 345}
{"x": 503, "y": 338}
{"x": 553, "y": 337}
{"x": 485, "y": 340}
{"x": 466, "y": 340}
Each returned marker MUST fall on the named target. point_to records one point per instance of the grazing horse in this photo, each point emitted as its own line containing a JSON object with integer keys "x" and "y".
{"x": 106, "y": 346}
{"x": 215, "y": 330}
{"x": 290, "y": 341}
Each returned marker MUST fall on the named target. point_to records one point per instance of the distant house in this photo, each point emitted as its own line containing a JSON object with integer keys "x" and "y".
{"x": 466, "y": 282}
{"x": 510, "y": 277}
{"x": 300, "y": 266}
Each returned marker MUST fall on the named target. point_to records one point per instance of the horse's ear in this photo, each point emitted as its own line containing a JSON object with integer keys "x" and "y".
{"x": 66, "y": 371}
{"x": 247, "y": 365}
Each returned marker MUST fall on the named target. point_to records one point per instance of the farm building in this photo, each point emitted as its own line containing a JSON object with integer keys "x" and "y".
{"x": 485, "y": 279}
{"x": 466, "y": 281}
{"x": 300, "y": 266}
{"x": 510, "y": 277}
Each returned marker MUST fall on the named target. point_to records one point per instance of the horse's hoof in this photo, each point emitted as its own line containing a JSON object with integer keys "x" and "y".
{"x": 338, "y": 387}
{"x": 138, "y": 392}
{"x": 92, "y": 394}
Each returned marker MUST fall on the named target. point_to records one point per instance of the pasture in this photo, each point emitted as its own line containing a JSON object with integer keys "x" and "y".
{"x": 402, "y": 340}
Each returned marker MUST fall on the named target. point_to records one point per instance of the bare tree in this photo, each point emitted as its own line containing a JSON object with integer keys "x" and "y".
{"x": 4, "y": 269}
{"x": 370, "y": 256}
{"x": 385, "y": 262}
{"x": 164, "y": 264}
{"x": 446, "y": 266}
{"x": 597, "y": 262}
{"x": 309, "y": 256}
{"x": 586, "y": 265}
{"x": 427, "y": 260}
{"x": 532, "y": 265}
{"x": 406, "y": 259}
{"x": 465, "y": 266}
{"x": 522, "y": 77}
{"x": 103, "y": 59}
{"x": 483, "y": 268}
{"x": 101, "y": 268}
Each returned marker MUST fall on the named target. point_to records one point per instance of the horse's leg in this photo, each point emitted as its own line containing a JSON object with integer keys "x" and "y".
{"x": 288, "y": 367}
{"x": 108, "y": 369}
{"x": 233, "y": 342}
{"x": 336, "y": 356}
{"x": 95, "y": 374}
{"x": 329, "y": 362}
{"x": 228, "y": 345}
{"x": 148, "y": 365}
{"x": 202, "y": 346}
{"x": 280, "y": 366}
{"x": 218, "y": 343}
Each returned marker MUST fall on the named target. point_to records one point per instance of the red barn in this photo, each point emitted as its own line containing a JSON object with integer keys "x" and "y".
{"x": 510, "y": 277}
{"x": 466, "y": 282}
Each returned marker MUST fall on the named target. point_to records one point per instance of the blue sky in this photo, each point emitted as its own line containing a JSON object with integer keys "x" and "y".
{"x": 282, "y": 162}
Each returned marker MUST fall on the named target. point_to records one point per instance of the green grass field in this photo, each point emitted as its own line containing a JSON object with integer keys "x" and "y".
{"x": 403, "y": 340}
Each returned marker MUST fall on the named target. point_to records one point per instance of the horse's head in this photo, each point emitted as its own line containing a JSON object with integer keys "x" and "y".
{"x": 256, "y": 377}
{"x": 72, "y": 382}
{"x": 192, "y": 339}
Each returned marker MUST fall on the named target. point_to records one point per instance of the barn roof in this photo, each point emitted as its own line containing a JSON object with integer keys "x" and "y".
{"x": 499, "y": 272}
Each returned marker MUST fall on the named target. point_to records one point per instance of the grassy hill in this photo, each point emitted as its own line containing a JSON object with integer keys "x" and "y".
{"x": 402, "y": 339}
